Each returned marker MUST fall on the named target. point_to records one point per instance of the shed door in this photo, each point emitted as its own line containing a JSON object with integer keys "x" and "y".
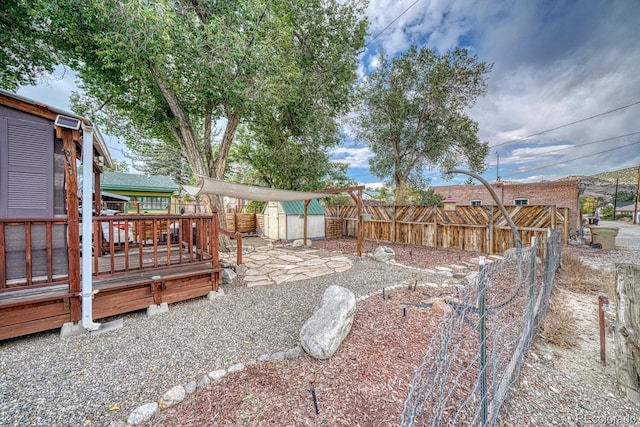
{"x": 272, "y": 221}
{"x": 26, "y": 169}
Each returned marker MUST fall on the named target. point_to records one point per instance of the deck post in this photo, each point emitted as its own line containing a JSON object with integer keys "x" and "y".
{"x": 239, "y": 248}
{"x": 87, "y": 222}
{"x": 73, "y": 230}
{"x": 214, "y": 246}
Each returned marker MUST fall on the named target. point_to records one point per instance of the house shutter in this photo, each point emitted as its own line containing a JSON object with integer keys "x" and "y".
{"x": 26, "y": 169}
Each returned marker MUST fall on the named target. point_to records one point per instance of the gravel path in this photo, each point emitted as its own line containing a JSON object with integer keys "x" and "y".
{"x": 94, "y": 380}
{"x": 570, "y": 387}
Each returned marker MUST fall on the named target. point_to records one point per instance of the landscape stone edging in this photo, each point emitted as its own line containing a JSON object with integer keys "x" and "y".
{"x": 144, "y": 412}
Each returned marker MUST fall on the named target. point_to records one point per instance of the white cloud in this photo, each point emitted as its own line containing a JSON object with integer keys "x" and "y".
{"x": 53, "y": 89}
{"x": 356, "y": 157}
{"x": 373, "y": 185}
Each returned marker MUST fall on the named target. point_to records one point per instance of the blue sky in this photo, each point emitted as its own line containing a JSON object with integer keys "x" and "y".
{"x": 555, "y": 63}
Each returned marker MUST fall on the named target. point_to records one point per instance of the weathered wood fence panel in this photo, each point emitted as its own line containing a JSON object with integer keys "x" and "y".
{"x": 472, "y": 228}
{"x": 628, "y": 330}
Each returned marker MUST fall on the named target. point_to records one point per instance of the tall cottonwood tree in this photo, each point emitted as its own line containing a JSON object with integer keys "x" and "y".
{"x": 24, "y": 51}
{"x": 413, "y": 115}
{"x": 170, "y": 70}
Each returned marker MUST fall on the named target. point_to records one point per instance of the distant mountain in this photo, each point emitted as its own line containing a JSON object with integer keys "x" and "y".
{"x": 603, "y": 184}
{"x": 624, "y": 176}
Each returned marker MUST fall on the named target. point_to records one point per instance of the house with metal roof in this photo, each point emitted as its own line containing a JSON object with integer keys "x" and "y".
{"x": 285, "y": 220}
{"x": 146, "y": 193}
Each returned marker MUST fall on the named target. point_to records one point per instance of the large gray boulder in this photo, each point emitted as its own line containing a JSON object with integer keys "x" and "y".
{"x": 384, "y": 254}
{"x": 324, "y": 331}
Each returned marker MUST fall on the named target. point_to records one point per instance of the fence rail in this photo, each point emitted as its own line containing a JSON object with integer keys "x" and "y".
{"x": 473, "y": 228}
{"x": 478, "y": 349}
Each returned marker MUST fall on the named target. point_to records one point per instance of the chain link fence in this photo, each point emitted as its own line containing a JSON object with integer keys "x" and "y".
{"x": 476, "y": 354}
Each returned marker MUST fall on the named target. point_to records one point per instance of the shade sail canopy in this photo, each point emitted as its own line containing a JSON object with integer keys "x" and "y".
{"x": 249, "y": 192}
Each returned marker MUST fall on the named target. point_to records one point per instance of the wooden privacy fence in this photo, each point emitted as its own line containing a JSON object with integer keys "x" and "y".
{"x": 241, "y": 222}
{"x": 472, "y": 228}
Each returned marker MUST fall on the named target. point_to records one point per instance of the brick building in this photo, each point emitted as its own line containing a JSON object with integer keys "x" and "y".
{"x": 562, "y": 194}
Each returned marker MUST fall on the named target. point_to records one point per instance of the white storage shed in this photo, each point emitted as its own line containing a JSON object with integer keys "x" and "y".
{"x": 285, "y": 220}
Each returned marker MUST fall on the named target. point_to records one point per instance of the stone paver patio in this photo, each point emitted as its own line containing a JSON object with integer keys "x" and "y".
{"x": 268, "y": 265}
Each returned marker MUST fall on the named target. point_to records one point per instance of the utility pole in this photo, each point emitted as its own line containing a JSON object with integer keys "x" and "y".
{"x": 635, "y": 206}
{"x": 615, "y": 200}
{"x": 498, "y": 166}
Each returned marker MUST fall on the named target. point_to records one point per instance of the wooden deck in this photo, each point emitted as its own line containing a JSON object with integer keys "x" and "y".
{"x": 126, "y": 277}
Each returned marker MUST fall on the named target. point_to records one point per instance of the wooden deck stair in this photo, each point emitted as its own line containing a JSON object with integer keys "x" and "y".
{"x": 124, "y": 292}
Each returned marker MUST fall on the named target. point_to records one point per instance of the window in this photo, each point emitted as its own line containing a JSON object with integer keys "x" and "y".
{"x": 476, "y": 203}
{"x": 151, "y": 202}
{"x": 521, "y": 202}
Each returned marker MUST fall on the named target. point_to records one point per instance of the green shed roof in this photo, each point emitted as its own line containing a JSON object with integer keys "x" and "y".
{"x": 137, "y": 182}
{"x": 297, "y": 208}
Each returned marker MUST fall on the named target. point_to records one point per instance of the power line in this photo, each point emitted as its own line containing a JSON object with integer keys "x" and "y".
{"x": 581, "y": 145}
{"x": 391, "y": 23}
{"x": 572, "y": 160}
{"x": 568, "y": 124}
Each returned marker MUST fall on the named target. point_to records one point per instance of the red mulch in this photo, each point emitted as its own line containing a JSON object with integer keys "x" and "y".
{"x": 365, "y": 383}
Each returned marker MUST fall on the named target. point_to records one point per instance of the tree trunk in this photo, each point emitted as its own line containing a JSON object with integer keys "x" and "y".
{"x": 627, "y": 332}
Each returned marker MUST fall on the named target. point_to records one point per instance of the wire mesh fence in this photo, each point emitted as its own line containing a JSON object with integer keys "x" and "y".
{"x": 476, "y": 354}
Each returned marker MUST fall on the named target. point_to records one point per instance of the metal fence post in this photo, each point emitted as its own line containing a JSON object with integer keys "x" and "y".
{"x": 483, "y": 336}
{"x": 532, "y": 286}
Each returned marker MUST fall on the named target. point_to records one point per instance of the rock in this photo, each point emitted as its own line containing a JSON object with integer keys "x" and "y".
{"x": 118, "y": 423}
{"x": 235, "y": 368}
{"x": 438, "y": 307}
{"x": 471, "y": 279}
{"x": 227, "y": 264}
{"x": 173, "y": 396}
{"x": 278, "y": 355}
{"x": 298, "y": 243}
{"x": 293, "y": 353}
{"x": 71, "y": 329}
{"x": 142, "y": 413}
{"x": 228, "y": 276}
{"x": 216, "y": 375}
{"x": 156, "y": 309}
{"x": 241, "y": 270}
{"x": 324, "y": 331}
{"x": 190, "y": 387}
{"x": 384, "y": 254}
{"x": 263, "y": 358}
{"x": 213, "y": 295}
{"x": 203, "y": 381}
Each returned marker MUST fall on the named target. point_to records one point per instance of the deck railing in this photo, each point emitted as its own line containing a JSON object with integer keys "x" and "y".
{"x": 143, "y": 242}
{"x": 33, "y": 252}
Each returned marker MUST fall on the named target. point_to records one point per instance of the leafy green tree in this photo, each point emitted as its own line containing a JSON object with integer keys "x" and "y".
{"x": 118, "y": 166}
{"x": 607, "y": 212}
{"x": 588, "y": 205}
{"x": 157, "y": 158}
{"x": 420, "y": 197}
{"x": 413, "y": 115}
{"x": 170, "y": 70}
{"x": 293, "y": 163}
{"x": 24, "y": 52}
{"x": 255, "y": 206}
{"x": 625, "y": 196}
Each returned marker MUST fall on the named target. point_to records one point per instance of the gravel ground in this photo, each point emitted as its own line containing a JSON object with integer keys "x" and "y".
{"x": 94, "y": 380}
{"x": 570, "y": 387}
